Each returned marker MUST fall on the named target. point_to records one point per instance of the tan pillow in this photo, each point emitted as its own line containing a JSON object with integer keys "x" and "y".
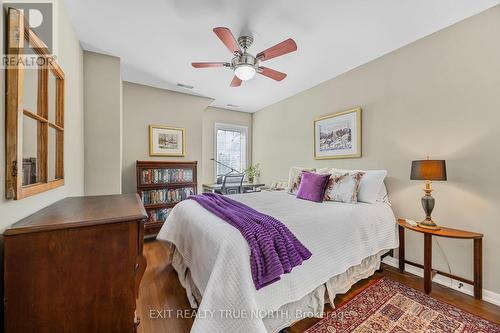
{"x": 343, "y": 186}
{"x": 323, "y": 170}
{"x": 294, "y": 177}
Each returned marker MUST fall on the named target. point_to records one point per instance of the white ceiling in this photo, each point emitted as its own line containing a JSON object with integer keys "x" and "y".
{"x": 158, "y": 39}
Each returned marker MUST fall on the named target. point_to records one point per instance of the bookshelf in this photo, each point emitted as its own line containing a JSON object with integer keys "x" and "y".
{"x": 161, "y": 185}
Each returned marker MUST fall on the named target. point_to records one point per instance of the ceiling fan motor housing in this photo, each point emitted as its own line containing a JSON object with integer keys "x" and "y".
{"x": 245, "y": 41}
{"x": 244, "y": 59}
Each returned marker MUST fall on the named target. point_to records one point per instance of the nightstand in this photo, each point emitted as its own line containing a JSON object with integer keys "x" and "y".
{"x": 427, "y": 266}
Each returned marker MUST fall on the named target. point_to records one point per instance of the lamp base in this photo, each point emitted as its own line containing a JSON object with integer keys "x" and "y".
{"x": 428, "y": 224}
{"x": 428, "y": 205}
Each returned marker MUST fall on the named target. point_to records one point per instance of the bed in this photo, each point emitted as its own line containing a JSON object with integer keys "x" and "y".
{"x": 212, "y": 259}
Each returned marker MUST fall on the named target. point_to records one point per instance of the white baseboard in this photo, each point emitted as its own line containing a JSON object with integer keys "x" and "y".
{"x": 488, "y": 295}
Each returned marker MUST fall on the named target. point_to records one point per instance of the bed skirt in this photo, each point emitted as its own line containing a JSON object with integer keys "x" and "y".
{"x": 311, "y": 305}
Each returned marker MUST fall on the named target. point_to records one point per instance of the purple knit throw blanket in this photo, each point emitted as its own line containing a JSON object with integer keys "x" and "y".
{"x": 274, "y": 250}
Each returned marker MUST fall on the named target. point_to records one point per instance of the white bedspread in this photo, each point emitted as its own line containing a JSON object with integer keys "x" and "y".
{"x": 339, "y": 235}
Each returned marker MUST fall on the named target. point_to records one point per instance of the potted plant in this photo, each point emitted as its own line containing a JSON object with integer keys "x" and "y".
{"x": 252, "y": 172}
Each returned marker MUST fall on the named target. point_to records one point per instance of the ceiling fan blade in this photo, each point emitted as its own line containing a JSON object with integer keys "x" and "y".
{"x": 209, "y": 64}
{"x": 277, "y": 50}
{"x": 236, "y": 82}
{"x": 226, "y": 36}
{"x": 271, "y": 73}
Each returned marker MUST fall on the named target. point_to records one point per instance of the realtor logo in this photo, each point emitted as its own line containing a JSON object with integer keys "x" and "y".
{"x": 39, "y": 17}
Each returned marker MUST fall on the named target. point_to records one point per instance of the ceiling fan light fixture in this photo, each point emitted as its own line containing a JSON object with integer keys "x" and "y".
{"x": 245, "y": 72}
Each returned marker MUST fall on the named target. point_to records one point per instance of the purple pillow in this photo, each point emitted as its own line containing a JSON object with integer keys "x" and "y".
{"x": 312, "y": 186}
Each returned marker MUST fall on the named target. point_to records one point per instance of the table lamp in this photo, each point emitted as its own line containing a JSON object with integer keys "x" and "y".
{"x": 428, "y": 170}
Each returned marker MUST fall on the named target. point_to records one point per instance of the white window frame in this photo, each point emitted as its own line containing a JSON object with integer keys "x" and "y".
{"x": 231, "y": 127}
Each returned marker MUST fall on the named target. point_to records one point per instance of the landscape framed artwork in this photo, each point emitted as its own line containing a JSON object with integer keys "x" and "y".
{"x": 338, "y": 135}
{"x": 167, "y": 141}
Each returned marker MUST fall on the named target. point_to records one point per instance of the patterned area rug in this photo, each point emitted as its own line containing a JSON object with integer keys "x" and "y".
{"x": 390, "y": 307}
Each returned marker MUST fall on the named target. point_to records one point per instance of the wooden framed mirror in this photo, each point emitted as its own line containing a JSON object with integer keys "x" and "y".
{"x": 34, "y": 113}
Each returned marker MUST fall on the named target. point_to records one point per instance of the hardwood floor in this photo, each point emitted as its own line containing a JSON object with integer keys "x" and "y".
{"x": 163, "y": 305}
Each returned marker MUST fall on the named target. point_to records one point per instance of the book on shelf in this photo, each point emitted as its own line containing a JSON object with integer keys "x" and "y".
{"x": 159, "y": 215}
{"x": 162, "y": 196}
{"x": 166, "y": 176}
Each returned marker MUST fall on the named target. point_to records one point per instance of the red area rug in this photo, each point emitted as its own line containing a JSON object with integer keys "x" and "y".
{"x": 391, "y": 307}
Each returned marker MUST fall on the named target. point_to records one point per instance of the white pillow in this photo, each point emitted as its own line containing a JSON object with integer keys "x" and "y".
{"x": 370, "y": 185}
{"x": 383, "y": 195}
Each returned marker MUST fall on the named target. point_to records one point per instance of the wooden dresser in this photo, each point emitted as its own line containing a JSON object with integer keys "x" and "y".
{"x": 75, "y": 266}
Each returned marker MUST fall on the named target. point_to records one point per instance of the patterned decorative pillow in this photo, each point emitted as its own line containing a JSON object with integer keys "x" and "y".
{"x": 294, "y": 177}
{"x": 343, "y": 187}
{"x": 371, "y": 184}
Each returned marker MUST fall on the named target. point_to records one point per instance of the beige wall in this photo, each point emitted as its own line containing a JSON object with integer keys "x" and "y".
{"x": 211, "y": 116}
{"x": 103, "y": 124}
{"x": 144, "y": 106}
{"x": 70, "y": 58}
{"x": 439, "y": 96}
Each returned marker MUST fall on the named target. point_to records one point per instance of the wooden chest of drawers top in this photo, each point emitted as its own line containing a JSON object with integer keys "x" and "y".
{"x": 75, "y": 212}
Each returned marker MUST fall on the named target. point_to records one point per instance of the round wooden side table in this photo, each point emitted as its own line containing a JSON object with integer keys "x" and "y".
{"x": 427, "y": 266}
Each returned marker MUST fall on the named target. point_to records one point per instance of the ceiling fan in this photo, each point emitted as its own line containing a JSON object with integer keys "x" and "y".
{"x": 244, "y": 64}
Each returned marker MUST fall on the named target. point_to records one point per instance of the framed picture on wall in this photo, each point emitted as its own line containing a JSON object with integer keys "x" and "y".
{"x": 167, "y": 141}
{"x": 338, "y": 135}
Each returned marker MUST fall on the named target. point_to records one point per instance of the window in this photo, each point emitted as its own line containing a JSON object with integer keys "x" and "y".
{"x": 34, "y": 115}
{"x": 230, "y": 148}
